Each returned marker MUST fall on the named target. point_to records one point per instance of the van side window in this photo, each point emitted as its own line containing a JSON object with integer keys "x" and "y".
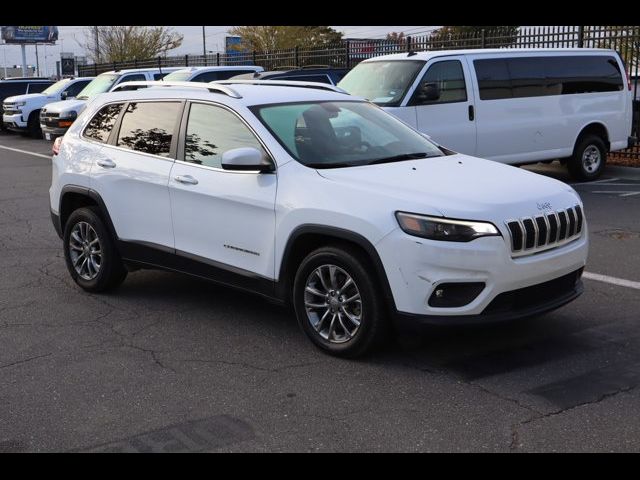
{"x": 448, "y": 77}
{"x": 211, "y": 131}
{"x": 102, "y": 123}
{"x": 148, "y": 127}
{"x": 494, "y": 80}
{"x": 521, "y": 77}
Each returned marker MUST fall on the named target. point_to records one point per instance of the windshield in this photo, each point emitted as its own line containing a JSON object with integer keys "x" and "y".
{"x": 178, "y": 77}
{"x": 343, "y": 134}
{"x": 384, "y": 83}
{"x": 56, "y": 87}
{"x": 102, "y": 83}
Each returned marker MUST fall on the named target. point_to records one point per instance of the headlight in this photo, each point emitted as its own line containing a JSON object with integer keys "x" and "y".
{"x": 438, "y": 228}
{"x": 70, "y": 114}
{"x": 20, "y": 104}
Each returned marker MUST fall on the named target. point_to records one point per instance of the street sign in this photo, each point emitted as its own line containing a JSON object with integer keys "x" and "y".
{"x": 68, "y": 66}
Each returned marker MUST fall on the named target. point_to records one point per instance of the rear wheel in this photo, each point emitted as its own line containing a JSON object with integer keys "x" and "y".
{"x": 338, "y": 303}
{"x": 90, "y": 252}
{"x": 588, "y": 159}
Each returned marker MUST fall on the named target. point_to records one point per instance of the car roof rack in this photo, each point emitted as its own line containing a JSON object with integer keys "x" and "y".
{"x": 282, "y": 83}
{"x": 159, "y": 83}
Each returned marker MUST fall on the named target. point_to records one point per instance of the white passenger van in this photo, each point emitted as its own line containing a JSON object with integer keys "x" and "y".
{"x": 513, "y": 106}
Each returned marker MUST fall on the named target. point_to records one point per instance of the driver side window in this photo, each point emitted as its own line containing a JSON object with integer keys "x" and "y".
{"x": 442, "y": 83}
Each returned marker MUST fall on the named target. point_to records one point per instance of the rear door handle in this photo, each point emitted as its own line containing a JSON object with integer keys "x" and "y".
{"x": 106, "y": 163}
{"x": 186, "y": 179}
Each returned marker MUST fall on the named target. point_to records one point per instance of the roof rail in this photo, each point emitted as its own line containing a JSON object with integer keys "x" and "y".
{"x": 281, "y": 83}
{"x": 208, "y": 86}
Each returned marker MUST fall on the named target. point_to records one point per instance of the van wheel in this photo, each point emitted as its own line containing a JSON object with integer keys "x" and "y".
{"x": 90, "y": 252}
{"x": 337, "y": 302}
{"x": 33, "y": 125}
{"x": 588, "y": 159}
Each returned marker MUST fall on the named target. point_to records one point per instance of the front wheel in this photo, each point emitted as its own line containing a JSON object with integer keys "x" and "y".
{"x": 337, "y": 302}
{"x": 588, "y": 159}
{"x": 90, "y": 252}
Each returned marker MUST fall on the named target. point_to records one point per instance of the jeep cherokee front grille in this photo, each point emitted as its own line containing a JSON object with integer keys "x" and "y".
{"x": 552, "y": 229}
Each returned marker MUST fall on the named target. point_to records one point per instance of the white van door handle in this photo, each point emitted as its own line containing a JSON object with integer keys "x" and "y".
{"x": 106, "y": 163}
{"x": 186, "y": 179}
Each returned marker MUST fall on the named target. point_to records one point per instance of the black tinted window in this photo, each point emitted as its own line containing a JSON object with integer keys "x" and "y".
{"x": 553, "y": 75}
{"x": 10, "y": 89}
{"x": 76, "y": 88}
{"x": 159, "y": 76}
{"x": 211, "y": 131}
{"x": 493, "y": 79}
{"x": 148, "y": 127}
{"x": 38, "y": 87}
{"x": 207, "y": 77}
{"x": 101, "y": 124}
{"x": 584, "y": 74}
{"x": 138, "y": 77}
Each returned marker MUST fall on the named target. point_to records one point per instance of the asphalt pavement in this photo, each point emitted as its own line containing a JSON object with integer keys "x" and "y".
{"x": 172, "y": 363}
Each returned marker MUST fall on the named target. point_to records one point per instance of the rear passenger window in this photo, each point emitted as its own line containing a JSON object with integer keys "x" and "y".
{"x": 38, "y": 87}
{"x": 211, "y": 131}
{"x": 528, "y": 77}
{"x": 494, "y": 81}
{"x": 449, "y": 78}
{"x": 584, "y": 74}
{"x": 148, "y": 127}
{"x": 102, "y": 123}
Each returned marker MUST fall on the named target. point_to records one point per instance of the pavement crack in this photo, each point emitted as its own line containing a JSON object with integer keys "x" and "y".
{"x": 25, "y": 360}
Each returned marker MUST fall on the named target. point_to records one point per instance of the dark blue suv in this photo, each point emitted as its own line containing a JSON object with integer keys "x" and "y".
{"x": 310, "y": 73}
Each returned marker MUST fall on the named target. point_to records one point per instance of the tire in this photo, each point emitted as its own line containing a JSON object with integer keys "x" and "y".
{"x": 589, "y": 158}
{"x": 110, "y": 271}
{"x": 347, "y": 339}
{"x": 33, "y": 125}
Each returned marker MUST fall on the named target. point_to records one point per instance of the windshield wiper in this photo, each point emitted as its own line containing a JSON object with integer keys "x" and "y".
{"x": 83, "y": 97}
{"x": 331, "y": 165}
{"x": 400, "y": 158}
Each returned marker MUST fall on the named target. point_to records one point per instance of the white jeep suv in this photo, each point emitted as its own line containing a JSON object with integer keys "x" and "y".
{"x": 309, "y": 196}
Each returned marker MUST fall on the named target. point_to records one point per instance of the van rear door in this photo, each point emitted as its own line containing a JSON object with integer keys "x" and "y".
{"x": 444, "y": 103}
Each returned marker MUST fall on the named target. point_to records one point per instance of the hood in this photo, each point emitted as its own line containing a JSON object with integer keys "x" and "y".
{"x": 459, "y": 186}
{"x": 66, "y": 105}
{"x": 28, "y": 97}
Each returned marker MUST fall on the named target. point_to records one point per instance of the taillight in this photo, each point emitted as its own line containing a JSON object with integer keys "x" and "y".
{"x": 628, "y": 79}
{"x": 56, "y": 146}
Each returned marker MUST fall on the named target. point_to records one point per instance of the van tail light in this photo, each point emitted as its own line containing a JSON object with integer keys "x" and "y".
{"x": 56, "y": 145}
{"x": 628, "y": 79}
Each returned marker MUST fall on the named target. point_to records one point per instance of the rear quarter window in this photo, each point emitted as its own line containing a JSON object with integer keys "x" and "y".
{"x": 100, "y": 126}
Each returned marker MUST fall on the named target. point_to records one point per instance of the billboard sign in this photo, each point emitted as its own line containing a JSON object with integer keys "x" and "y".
{"x": 29, "y": 35}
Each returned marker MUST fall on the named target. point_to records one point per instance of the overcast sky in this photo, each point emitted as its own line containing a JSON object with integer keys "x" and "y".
{"x": 192, "y": 43}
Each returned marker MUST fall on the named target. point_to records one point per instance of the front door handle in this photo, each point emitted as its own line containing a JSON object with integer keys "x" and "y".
{"x": 106, "y": 163}
{"x": 186, "y": 179}
{"x": 471, "y": 113}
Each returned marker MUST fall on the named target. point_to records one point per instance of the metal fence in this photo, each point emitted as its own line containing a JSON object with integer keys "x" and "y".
{"x": 348, "y": 53}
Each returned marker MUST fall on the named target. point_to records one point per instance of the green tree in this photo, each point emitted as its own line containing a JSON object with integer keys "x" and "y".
{"x": 277, "y": 37}
{"x": 470, "y": 36}
{"x": 122, "y": 43}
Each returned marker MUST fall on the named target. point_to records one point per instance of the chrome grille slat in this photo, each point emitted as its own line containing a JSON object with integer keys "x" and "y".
{"x": 542, "y": 227}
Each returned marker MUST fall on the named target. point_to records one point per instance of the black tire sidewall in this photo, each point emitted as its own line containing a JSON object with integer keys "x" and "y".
{"x": 372, "y": 323}
{"x": 33, "y": 125}
{"x": 575, "y": 165}
{"x": 112, "y": 271}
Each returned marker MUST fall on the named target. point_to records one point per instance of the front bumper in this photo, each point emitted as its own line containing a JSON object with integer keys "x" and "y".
{"x": 53, "y": 131}
{"x": 416, "y": 267}
{"x": 14, "y": 122}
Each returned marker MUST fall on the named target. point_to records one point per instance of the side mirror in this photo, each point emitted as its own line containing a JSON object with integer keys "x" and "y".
{"x": 64, "y": 95}
{"x": 246, "y": 159}
{"x": 429, "y": 92}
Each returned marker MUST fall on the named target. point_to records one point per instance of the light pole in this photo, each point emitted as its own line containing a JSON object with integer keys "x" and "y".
{"x": 204, "y": 44}
{"x": 4, "y": 53}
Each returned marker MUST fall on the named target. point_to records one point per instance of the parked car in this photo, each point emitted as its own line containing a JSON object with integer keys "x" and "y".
{"x": 514, "y": 106}
{"x": 311, "y": 73}
{"x": 57, "y": 117}
{"x": 313, "y": 197}
{"x": 21, "y": 85}
{"x": 210, "y": 74}
{"x": 21, "y": 113}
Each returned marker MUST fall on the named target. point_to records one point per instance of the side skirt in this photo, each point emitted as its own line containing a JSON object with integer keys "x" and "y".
{"x": 151, "y": 256}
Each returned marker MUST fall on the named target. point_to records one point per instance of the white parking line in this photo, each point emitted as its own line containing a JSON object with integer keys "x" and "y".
{"x": 620, "y": 193}
{"x": 621, "y": 282}
{"x": 604, "y": 180}
{"x": 26, "y": 151}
